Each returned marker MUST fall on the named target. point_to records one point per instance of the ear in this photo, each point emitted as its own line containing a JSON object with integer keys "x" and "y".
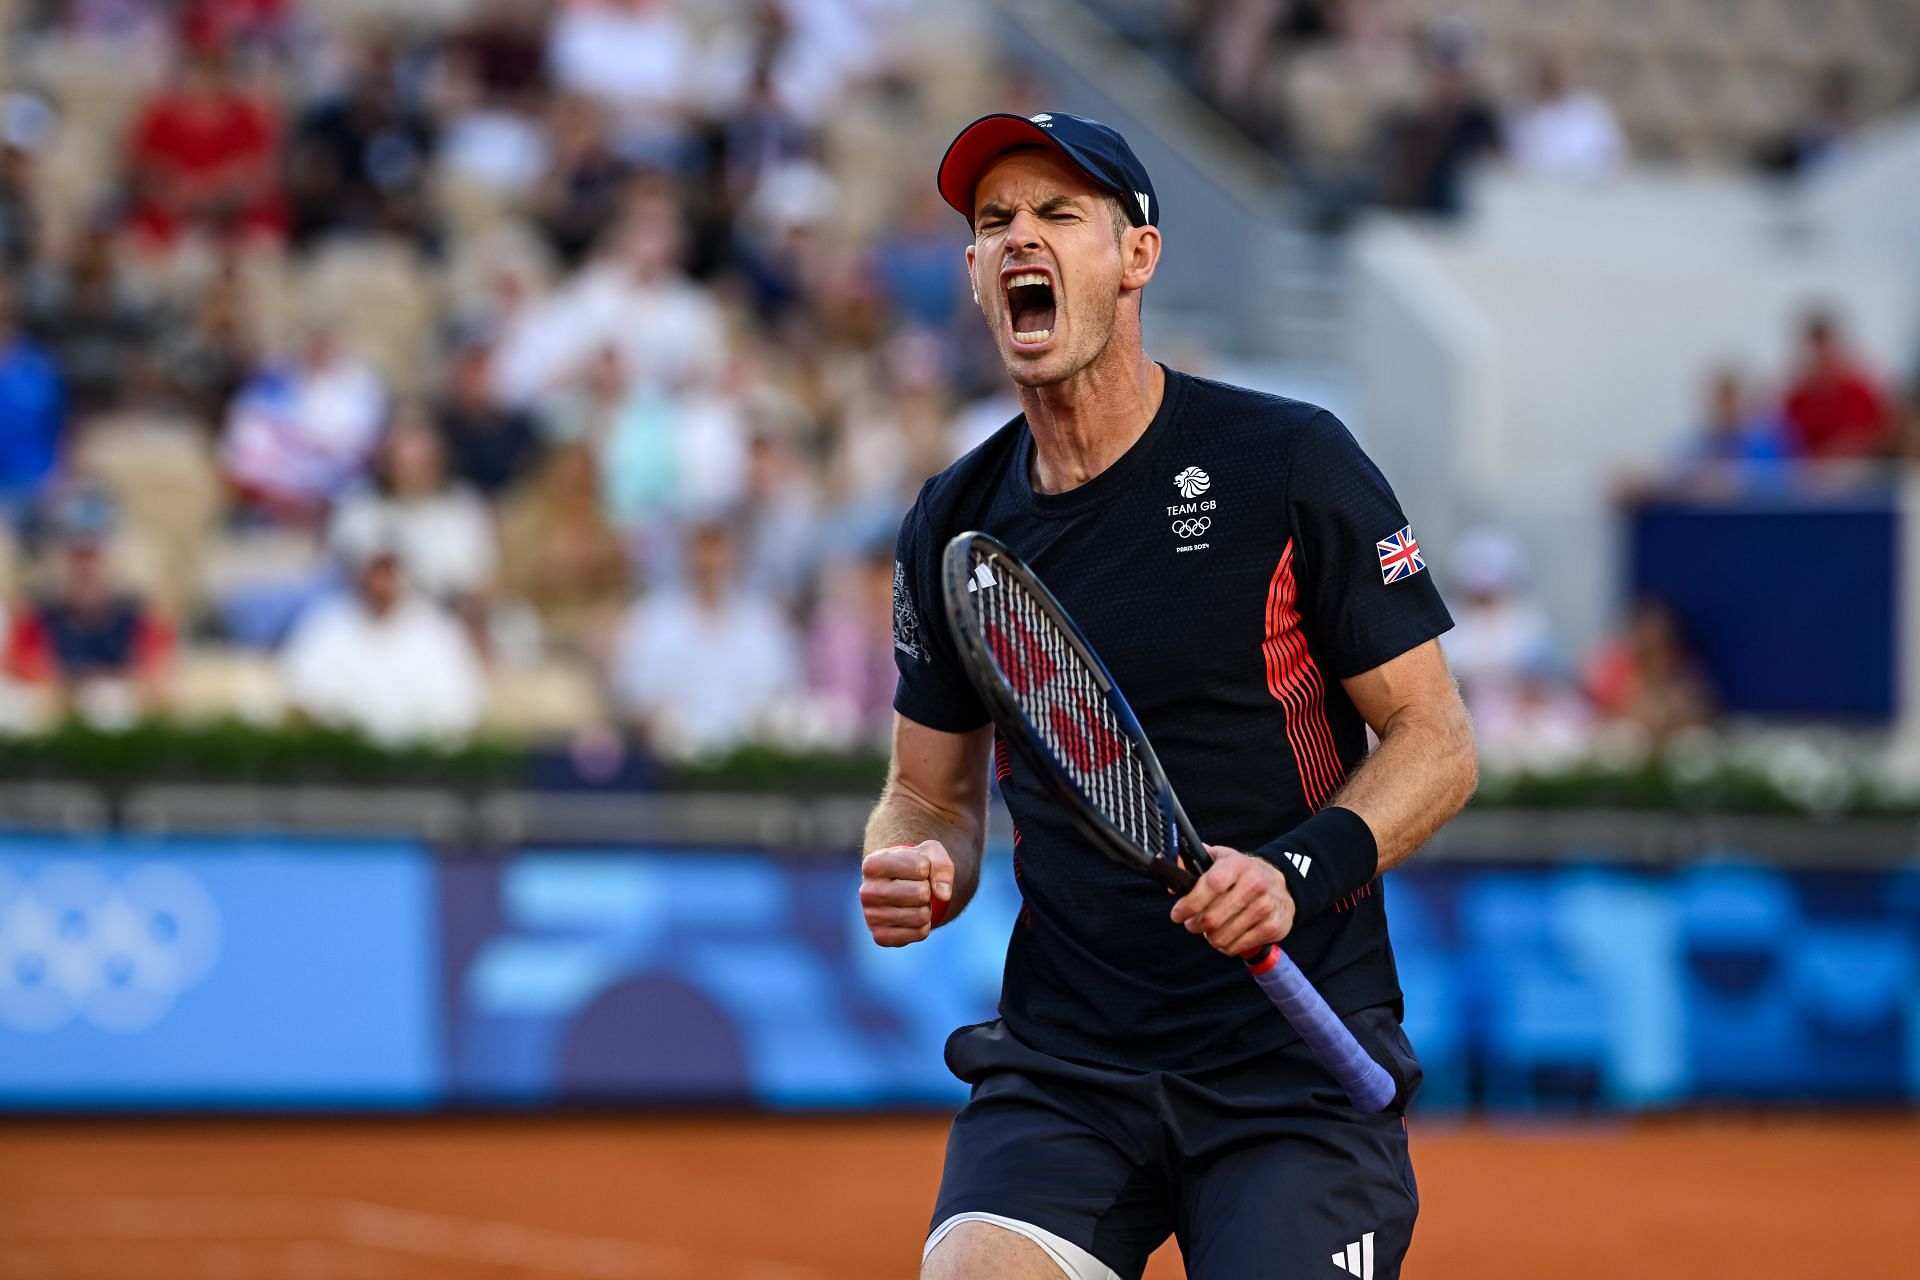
{"x": 1139, "y": 256}
{"x": 972, "y": 284}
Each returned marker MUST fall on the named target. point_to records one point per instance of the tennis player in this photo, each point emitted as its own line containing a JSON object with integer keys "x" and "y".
{"x": 1259, "y": 597}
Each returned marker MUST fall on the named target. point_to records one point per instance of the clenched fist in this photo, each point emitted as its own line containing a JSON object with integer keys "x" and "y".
{"x": 904, "y": 891}
{"x": 1241, "y": 904}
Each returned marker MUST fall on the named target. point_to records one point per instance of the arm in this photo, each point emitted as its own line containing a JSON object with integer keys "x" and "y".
{"x": 1424, "y": 771}
{"x": 1420, "y": 775}
{"x": 925, "y": 836}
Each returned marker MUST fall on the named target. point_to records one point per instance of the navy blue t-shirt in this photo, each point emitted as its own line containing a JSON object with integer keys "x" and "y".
{"x": 1230, "y": 571}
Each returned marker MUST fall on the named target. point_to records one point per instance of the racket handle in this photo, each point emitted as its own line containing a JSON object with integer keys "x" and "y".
{"x": 1367, "y": 1083}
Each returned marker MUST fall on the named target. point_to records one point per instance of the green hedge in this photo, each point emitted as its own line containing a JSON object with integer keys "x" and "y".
{"x": 1780, "y": 776}
{"x": 245, "y": 753}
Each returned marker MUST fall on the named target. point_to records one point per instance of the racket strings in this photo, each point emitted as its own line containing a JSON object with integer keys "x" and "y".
{"x": 1062, "y": 700}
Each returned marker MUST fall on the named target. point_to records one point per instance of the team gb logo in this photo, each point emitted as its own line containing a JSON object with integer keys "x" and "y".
{"x": 1192, "y": 482}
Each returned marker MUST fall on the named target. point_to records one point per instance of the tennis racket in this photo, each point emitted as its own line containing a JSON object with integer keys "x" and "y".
{"x": 1056, "y": 706}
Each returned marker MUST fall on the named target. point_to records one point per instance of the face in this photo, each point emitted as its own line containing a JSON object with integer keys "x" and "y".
{"x": 86, "y": 573}
{"x": 1047, "y": 270}
{"x": 380, "y": 584}
{"x": 414, "y": 462}
{"x": 711, "y": 562}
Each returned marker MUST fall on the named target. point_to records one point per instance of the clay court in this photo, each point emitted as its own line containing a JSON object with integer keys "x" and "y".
{"x": 626, "y": 1198}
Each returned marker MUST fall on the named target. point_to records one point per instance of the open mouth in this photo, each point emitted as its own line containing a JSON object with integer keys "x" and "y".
{"x": 1030, "y": 306}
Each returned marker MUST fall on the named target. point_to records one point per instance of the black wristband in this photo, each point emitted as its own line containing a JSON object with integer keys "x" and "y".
{"x": 1326, "y": 858}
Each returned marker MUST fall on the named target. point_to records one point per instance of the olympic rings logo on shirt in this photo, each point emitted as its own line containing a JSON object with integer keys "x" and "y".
{"x": 1192, "y": 528}
{"x": 115, "y": 952}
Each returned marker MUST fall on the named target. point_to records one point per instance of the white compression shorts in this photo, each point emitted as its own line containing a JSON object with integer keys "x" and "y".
{"x": 1074, "y": 1262}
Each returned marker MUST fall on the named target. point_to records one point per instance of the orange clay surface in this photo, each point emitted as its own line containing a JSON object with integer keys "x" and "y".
{"x": 749, "y": 1198}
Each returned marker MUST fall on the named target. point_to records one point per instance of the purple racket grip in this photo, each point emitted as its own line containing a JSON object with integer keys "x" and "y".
{"x": 1367, "y": 1083}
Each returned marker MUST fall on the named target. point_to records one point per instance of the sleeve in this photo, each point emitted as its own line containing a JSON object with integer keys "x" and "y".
{"x": 1366, "y": 595}
{"x": 933, "y": 689}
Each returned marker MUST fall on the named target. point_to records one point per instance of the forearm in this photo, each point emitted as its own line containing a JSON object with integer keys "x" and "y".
{"x": 905, "y": 817}
{"x": 1421, "y": 775}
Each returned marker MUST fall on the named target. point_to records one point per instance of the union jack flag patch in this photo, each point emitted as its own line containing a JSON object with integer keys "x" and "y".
{"x": 1399, "y": 556}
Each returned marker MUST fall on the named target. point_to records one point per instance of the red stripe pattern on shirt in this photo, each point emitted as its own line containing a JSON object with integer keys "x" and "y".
{"x": 1294, "y": 680}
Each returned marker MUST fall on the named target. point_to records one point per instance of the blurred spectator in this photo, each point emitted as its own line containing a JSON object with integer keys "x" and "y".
{"x": 121, "y": 20}
{"x": 1431, "y": 149}
{"x": 26, "y": 122}
{"x": 203, "y": 357}
{"x": 1539, "y": 722}
{"x": 504, "y": 46}
{"x": 1910, "y": 419}
{"x": 360, "y": 160}
{"x": 439, "y": 528}
{"x": 779, "y": 520}
{"x": 236, "y": 24}
{"x": 489, "y": 446}
{"x": 1737, "y": 443}
{"x": 636, "y": 57}
{"x": 32, "y": 410}
{"x": 631, "y": 434}
{"x": 850, "y": 648}
{"x": 1501, "y": 635}
{"x": 1830, "y": 123}
{"x": 301, "y": 432}
{"x": 96, "y": 325}
{"x": 699, "y": 670}
{"x": 491, "y": 141}
{"x": 579, "y": 195}
{"x": 561, "y": 556}
{"x": 757, "y": 134}
{"x": 103, "y": 650}
{"x": 1234, "y": 54}
{"x": 205, "y": 158}
{"x": 920, "y": 260}
{"x": 383, "y": 659}
{"x": 1565, "y": 132}
{"x": 1648, "y": 680}
{"x": 1835, "y": 408}
{"x": 634, "y": 296}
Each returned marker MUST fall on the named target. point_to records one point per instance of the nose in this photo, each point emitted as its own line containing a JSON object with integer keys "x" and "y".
{"x": 1024, "y": 231}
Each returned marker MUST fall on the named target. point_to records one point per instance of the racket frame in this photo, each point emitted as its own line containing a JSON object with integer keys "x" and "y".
{"x": 1186, "y": 858}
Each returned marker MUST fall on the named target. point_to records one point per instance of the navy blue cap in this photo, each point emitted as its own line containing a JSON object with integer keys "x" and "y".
{"x": 1094, "y": 149}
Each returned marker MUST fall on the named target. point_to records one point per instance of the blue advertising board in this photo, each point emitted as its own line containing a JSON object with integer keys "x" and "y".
{"x": 702, "y": 977}
{"x": 170, "y": 972}
{"x": 677, "y": 977}
{"x": 252, "y": 974}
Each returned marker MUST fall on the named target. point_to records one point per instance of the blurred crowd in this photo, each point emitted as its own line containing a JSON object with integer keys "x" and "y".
{"x": 1537, "y": 706}
{"x": 1830, "y": 406}
{"x": 549, "y": 367}
{"x": 1394, "y": 102}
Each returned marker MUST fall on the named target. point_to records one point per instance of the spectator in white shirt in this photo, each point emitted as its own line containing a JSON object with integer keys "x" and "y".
{"x": 441, "y": 528}
{"x": 635, "y": 56}
{"x": 1567, "y": 132}
{"x": 700, "y": 669}
{"x": 634, "y": 296}
{"x": 300, "y": 432}
{"x": 385, "y": 660}
{"x": 1500, "y": 633}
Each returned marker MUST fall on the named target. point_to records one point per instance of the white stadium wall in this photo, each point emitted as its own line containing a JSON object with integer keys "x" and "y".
{"x": 1514, "y": 371}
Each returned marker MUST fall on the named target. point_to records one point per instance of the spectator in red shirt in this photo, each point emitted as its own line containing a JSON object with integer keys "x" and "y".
{"x": 1648, "y": 679}
{"x": 1835, "y": 409}
{"x": 205, "y": 158}
{"x": 103, "y": 650}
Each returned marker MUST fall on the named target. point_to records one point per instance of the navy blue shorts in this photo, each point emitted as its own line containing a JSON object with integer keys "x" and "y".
{"x": 1259, "y": 1170}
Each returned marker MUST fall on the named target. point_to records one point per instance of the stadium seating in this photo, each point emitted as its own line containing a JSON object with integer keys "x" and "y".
{"x": 1690, "y": 79}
